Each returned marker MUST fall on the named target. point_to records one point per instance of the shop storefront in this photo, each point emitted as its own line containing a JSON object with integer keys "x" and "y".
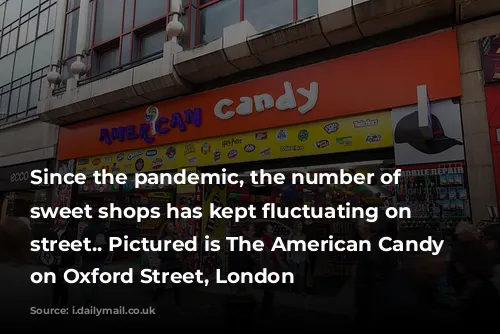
{"x": 19, "y": 195}
{"x": 352, "y": 113}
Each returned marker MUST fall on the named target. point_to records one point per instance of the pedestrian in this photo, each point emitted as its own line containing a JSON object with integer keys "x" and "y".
{"x": 271, "y": 261}
{"x": 98, "y": 235}
{"x": 373, "y": 270}
{"x": 17, "y": 264}
{"x": 170, "y": 261}
{"x": 297, "y": 259}
{"x": 478, "y": 304}
{"x": 62, "y": 261}
{"x": 491, "y": 239}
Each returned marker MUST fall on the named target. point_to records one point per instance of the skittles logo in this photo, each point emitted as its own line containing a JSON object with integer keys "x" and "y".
{"x": 151, "y": 116}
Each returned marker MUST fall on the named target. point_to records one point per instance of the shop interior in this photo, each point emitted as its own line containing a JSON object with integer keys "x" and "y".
{"x": 332, "y": 270}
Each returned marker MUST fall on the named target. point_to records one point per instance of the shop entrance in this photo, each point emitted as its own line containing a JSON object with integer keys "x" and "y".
{"x": 327, "y": 272}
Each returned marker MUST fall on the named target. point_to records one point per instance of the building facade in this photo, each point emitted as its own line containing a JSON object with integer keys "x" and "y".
{"x": 26, "y": 32}
{"x": 320, "y": 85}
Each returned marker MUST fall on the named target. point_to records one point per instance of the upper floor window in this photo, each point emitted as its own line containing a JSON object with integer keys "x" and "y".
{"x": 264, "y": 15}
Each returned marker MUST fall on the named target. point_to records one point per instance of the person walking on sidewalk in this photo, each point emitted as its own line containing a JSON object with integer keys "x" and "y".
{"x": 62, "y": 262}
{"x": 298, "y": 259}
{"x": 98, "y": 235}
{"x": 170, "y": 261}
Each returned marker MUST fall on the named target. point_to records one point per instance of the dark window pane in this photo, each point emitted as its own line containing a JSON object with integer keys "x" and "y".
{"x": 128, "y": 17}
{"x": 52, "y": 17}
{"x": 306, "y": 8}
{"x": 4, "y": 49}
{"x": 24, "y": 58}
{"x": 126, "y": 45}
{"x": 43, "y": 50}
{"x": 108, "y": 60}
{"x": 12, "y": 12}
{"x": 73, "y": 3}
{"x": 145, "y": 14}
{"x": 43, "y": 22}
{"x": 34, "y": 93}
{"x": 4, "y": 105}
{"x": 23, "y": 98}
{"x": 265, "y": 15}
{"x": 14, "y": 99}
{"x": 215, "y": 17}
{"x": 31, "y": 29}
{"x": 13, "y": 40}
{"x": 23, "y": 32}
{"x": 108, "y": 22}
{"x": 70, "y": 34}
{"x": 152, "y": 43}
{"x": 28, "y": 5}
{"x": 6, "y": 64}
{"x": 2, "y": 11}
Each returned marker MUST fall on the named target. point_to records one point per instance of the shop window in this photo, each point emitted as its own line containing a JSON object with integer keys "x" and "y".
{"x": 151, "y": 43}
{"x": 266, "y": 15}
{"x": 215, "y": 17}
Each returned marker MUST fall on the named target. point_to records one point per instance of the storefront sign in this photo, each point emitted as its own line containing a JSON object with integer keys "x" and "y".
{"x": 412, "y": 147}
{"x": 322, "y": 91}
{"x": 18, "y": 177}
{"x": 155, "y": 124}
{"x": 263, "y": 102}
{"x": 250, "y": 147}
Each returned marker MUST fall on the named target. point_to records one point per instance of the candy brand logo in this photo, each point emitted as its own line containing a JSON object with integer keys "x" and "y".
{"x": 291, "y": 148}
{"x": 282, "y": 134}
{"x": 157, "y": 163}
{"x": 261, "y": 136}
{"x": 303, "y": 135}
{"x": 205, "y": 148}
{"x": 331, "y": 128}
{"x": 265, "y": 152}
{"x": 365, "y": 123}
{"x": 96, "y": 161}
{"x": 83, "y": 161}
{"x": 120, "y": 156}
{"x": 323, "y": 143}
{"x": 216, "y": 155}
{"x": 151, "y": 153}
{"x": 344, "y": 141}
{"x": 249, "y": 148}
{"x": 232, "y": 154}
{"x": 154, "y": 125}
{"x": 171, "y": 152}
{"x": 134, "y": 155}
{"x": 231, "y": 142}
{"x": 264, "y": 101}
{"x": 373, "y": 138}
{"x": 189, "y": 148}
{"x": 108, "y": 159}
{"x": 192, "y": 160}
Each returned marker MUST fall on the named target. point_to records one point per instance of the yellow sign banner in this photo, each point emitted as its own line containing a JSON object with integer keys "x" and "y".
{"x": 354, "y": 133}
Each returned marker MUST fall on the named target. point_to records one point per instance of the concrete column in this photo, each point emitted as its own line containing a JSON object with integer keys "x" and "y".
{"x": 78, "y": 67}
{"x": 54, "y": 76}
{"x": 474, "y": 115}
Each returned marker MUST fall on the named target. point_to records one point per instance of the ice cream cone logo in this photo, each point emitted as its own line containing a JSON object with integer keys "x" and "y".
{"x": 151, "y": 116}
